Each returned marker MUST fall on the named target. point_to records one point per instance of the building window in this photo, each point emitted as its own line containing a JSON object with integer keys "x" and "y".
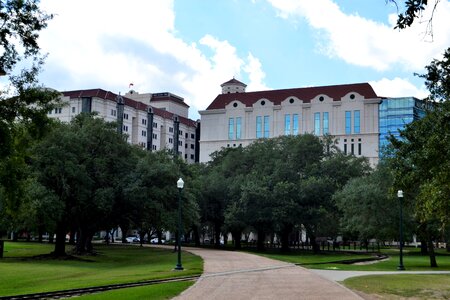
{"x": 348, "y": 122}
{"x": 170, "y": 140}
{"x": 186, "y": 145}
{"x": 287, "y": 124}
{"x": 73, "y": 110}
{"x": 192, "y": 146}
{"x": 170, "y": 129}
{"x": 180, "y": 143}
{"x": 185, "y": 156}
{"x": 154, "y": 147}
{"x": 266, "y": 127}
{"x": 58, "y": 110}
{"x": 86, "y": 104}
{"x": 295, "y": 124}
{"x": 180, "y": 132}
{"x": 238, "y": 128}
{"x": 258, "y": 127}
{"x": 113, "y": 112}
{"x": 155, "y": 125}
{"x": 325, "y": 123}
{"x": 317, "y": 123}
{"x": 144, "y": 121}
{"x": 230, "y": 128}
{"x": 192, "y": 136}
{"x": 345, "y": 148}
{"x": 187, "y": 135}
{"x": 192, "y": 156}
{"x": 359, "y": 149}
{"x": 353, "y": 148}
{"x": 125, "y": 128}
{"x": 155, "y": 136}
{"x": 144, "y": 133}
{"x": 356, "y": 122}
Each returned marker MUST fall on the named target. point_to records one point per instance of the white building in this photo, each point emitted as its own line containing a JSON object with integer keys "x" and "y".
{"x": 347, "y": 112}
{"x": 137, "y": 118}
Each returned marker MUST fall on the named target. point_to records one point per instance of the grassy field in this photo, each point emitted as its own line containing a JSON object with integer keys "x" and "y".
{"x": 403, "y": 286}
{"x": 412, "y": 260}
{"x": 22, "y": 272}
{"x": 154, "y": 292}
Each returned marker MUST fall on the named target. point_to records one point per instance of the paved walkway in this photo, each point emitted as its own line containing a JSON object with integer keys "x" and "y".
{"x": 342, "y": 275}
{"x": 238, "y": 275}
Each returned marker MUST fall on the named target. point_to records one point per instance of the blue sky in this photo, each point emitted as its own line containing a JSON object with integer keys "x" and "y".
{"x": 190, "y": 47}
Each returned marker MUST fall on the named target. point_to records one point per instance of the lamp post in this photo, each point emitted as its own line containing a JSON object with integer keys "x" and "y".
{"x": 400, "y": 197}
{"x": 180, "y": 186}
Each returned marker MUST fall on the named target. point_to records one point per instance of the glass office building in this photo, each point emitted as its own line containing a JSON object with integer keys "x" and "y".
{"x": 395, "y": 113}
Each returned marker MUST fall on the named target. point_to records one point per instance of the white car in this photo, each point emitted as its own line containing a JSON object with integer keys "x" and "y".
{"x": 155, "y": 241}
{"x": 133, "y": 239}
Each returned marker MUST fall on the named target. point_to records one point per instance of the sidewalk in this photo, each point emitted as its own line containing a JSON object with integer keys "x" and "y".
{"x": 337, "y": 275}
{"x": 239, "y": 275}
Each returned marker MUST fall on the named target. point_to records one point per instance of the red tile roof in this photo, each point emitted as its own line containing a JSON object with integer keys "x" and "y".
{"x": 306, "y": 94}
{"x": 233, "y": 81}
{"x": 99, "y": 93}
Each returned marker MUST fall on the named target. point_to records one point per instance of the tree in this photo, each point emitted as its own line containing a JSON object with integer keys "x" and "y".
{"x": 83, "y": 164}
{"x": 366, "y": 204}
{"x": 23, "y": 105}
{"x": 414, "y": 9}
{"x": 421, "y": 163}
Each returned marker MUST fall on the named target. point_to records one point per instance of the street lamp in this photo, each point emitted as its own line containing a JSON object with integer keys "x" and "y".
{"x": 180, "y": 186}
{"x": 400, "y": 197}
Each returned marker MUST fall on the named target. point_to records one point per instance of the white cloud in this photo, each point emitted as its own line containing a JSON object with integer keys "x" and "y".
{"x": 363, "y": 42}
{"x": 108, "y": 44}
{"x": 255, "y": 74}
{"x": 398, "y": 87}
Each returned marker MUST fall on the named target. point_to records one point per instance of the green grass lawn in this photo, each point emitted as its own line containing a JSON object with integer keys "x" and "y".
{"x": 403, "y": 286}
{"x": 412, "y": 260}
{"x": 22, "y": 274}
{"x": 154, "y": 292}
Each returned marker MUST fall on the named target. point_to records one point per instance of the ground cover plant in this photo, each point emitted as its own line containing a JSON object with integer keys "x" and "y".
{"x": 402, "y": 286}
{"x": 26, "y": 268}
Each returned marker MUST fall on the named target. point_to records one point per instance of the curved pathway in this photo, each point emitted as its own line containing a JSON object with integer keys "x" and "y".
{"x": 238, "y": 275}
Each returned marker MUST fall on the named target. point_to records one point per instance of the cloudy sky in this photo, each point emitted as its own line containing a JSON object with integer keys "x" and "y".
{"x": 190, "y": 47}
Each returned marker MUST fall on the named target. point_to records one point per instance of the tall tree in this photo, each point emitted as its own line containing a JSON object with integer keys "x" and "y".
{"x": 421, "y": 163}
{"x": 83, "y": 164}
{"x": 23, "y": 104}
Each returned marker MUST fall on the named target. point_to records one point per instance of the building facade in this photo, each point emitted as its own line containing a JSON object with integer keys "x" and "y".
{"x": 148, "y": 120}
{"x": 350, "y": 113}
{"x": 395, "y": 114}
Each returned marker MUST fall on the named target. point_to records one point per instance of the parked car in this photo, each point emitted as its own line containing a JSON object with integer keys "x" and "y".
{"x": 133, "y": 239}
{"x": 155, "y": 241}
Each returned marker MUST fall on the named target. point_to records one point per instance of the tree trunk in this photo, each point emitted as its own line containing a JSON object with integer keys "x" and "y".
{"x": 159, "y": 235}
{"x": 237, "y": 239}
{"x": 433, "y": 262}
{"x": 50, "y": 237}
{"x": 284, "y": 236}
{"x": 196, "y": 236}
{"x": 260, "y": 241}
{"x": 40, "y": 234}
{"x": 72, "y": 236}
{"x": 423, "y": 247}
{"x": 217, "y": 226}
{"x": 60, "y": 243}
{"x": 89, "y": 246}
